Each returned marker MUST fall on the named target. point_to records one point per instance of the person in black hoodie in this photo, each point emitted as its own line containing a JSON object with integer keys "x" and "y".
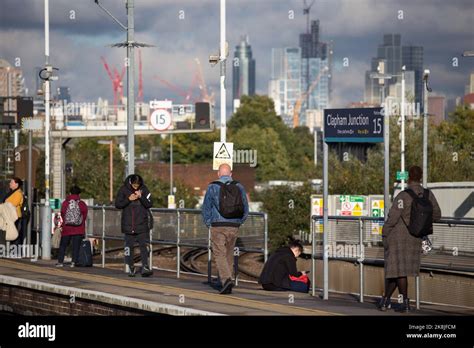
{"x": 280, "y": 266}
{"x": 134, "y": 199}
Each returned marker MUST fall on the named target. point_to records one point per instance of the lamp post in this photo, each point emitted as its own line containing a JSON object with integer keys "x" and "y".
{"x": 386, "y": 138}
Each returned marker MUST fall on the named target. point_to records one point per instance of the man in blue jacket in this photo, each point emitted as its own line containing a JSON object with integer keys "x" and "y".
{"x": 225, "y": 208}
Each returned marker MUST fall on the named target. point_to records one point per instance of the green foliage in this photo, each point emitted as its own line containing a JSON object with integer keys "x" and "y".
{"x": 160, "y": 191}
{"x": 90, "y": 162}
{"x": 288, "y": 212}
{"x": 190, "y": 147}
{"x": 272, "y": 157}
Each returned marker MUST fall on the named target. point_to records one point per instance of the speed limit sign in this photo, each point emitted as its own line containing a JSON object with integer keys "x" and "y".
{"x": 160, "y": 119}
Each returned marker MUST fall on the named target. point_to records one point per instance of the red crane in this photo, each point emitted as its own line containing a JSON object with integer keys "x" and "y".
{"x": 116, "y": 79}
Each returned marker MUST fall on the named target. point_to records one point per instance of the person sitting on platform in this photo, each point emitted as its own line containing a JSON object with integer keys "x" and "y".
{"x": 280, "y": 272}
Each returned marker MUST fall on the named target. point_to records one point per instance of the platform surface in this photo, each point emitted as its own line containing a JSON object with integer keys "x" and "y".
{"x": 189, "y": 295}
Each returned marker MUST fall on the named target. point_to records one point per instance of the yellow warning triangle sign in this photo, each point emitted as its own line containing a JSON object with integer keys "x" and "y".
{"x": 357, "y": 207}
{"x": 375, "y": 204}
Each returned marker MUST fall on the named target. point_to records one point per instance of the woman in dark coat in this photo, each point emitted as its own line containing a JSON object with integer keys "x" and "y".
{"x": 134, "y": 199}
{"x": 402, "y": 251}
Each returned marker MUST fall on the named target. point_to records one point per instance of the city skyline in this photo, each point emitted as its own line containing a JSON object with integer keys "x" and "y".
{"x": 76, "y": 47}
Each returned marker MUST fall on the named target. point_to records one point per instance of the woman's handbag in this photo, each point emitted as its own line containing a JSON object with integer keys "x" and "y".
{"x": 56, "y": 237}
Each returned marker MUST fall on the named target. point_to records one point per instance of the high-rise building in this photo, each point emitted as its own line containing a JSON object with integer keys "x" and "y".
{"x": 243, "y": 72}
{"x": 301, "y": 78}
{"x": 436, "y": 108}
{"x": 412, "y": 59}
{"x": 393, "y": 56}
{"x": 470, "y": 86}
{"x": 12, "y": 83}
{"x": 285, "y": 84}
{"x": 63, "y": 93}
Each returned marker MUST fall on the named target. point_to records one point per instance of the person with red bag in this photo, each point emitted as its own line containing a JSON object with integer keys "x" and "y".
{"x": 280, "y": 272}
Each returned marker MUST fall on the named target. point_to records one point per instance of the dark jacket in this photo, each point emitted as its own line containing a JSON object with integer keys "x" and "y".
{"x": 210, "y": 207}
{"x": 278, "y": 268}
{"x": 74, "y": 230}
{"x": 135, "y": 213}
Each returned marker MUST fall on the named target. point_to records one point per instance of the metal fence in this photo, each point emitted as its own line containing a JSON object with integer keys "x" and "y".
{"x": 172, "y": 227}
{"x": 359, "y": 240}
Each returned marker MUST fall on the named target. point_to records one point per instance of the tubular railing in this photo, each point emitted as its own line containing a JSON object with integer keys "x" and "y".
{"x": 359, "y": 239}
{"x": 173, "y": 227}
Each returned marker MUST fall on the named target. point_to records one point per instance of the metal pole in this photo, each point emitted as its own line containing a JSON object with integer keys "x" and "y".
{"x": 178, "y": 248}
{"x": 425, "y": 136}
{"x": 313, "y": 259}
{"x": 150, "y": 256}
{"x": 103, "y": 236}
{"x": 130, "y": 88}
{"x": 402, "y": 169}
{"x": 325, "y": 223}
{"x": 30, "y": 186}
{"x": 361, "y": 260}
{"x": 111, "y": 169}
{"x": 315, "y": 136}
{"x": 171, "y": 164}
{"x": 386, "y": 142}
{"x": 417, "y": 288}
{"x": 223, "y": 68}
{"x": 265, "y": 219}
{"x": 209, "y": 258}
{"x": 46, "y": 226}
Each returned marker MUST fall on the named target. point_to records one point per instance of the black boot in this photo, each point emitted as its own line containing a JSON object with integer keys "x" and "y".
{"x": 146, "y": 272}
{"x": 384, "y": 304}
{"x": 404, "y": 306}
{"x": 132, "y": 271}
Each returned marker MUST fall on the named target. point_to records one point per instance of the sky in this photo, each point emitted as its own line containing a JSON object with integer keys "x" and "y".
{"x": 80, "y": 33}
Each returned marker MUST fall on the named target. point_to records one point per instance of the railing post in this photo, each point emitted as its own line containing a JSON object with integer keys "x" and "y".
{"x": 236, "y": 266}
{"x": 361, "y": 260}
{"x": 178, "y": 248}
{"x": 417, "y": 289}
{"x": 313, "y": 259}
{"x": 209, "y": 258}
{"x": 265, "y": 252}
{"x": 150, "y": 256}
{"x": 103, "y": 236}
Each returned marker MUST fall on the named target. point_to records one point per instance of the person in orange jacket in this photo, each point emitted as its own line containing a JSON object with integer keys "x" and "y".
{"x": 15, "y": 197}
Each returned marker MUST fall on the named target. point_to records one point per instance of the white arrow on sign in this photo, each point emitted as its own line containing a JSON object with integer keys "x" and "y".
{"x": 160, "y": 119}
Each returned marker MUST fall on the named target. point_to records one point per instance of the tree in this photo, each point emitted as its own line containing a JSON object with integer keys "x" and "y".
{"x": 90, "y": 162}
{"x": 272, "y": 158}
{"x": 288, "y": 212}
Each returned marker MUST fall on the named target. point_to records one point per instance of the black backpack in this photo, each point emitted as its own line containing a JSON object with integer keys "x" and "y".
{"x": 421, "y": 216}
{"x": 231, "y": 205}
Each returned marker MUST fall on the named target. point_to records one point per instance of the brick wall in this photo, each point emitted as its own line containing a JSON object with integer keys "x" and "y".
{"x": 198, "y": 176}
{"x": 24, "y": 301}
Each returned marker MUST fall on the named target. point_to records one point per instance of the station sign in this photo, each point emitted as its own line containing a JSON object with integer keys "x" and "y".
{"x": 357, "y": 125}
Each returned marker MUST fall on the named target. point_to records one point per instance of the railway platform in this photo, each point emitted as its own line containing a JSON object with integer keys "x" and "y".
{"x": 163, "y": 294}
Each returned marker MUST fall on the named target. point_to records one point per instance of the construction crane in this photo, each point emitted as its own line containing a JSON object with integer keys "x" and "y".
{"x": 198, "y": 81}
{"x": 187, "y": 95}
{"x": 299, "y": 102}
{"x": 116, "y": 79}
{"x": 205, "y": 96}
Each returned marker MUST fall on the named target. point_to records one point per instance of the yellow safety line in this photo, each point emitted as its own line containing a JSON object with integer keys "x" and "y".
{"x": 195, "y": 294}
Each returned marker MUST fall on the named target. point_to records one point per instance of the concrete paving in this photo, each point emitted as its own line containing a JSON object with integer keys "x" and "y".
{"x": 189, "y": 295}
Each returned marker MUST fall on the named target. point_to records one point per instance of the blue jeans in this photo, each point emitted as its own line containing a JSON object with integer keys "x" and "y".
{"x": 299, "y": 286}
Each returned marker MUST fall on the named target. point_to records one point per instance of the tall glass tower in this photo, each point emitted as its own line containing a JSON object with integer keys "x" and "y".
{"x": 243, "y": 71}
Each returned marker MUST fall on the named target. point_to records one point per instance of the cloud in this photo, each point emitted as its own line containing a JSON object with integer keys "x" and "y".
{"x": 444, "y": 28}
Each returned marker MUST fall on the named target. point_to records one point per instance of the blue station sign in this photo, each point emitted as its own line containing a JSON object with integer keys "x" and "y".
{"x": 359, "y": 125}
